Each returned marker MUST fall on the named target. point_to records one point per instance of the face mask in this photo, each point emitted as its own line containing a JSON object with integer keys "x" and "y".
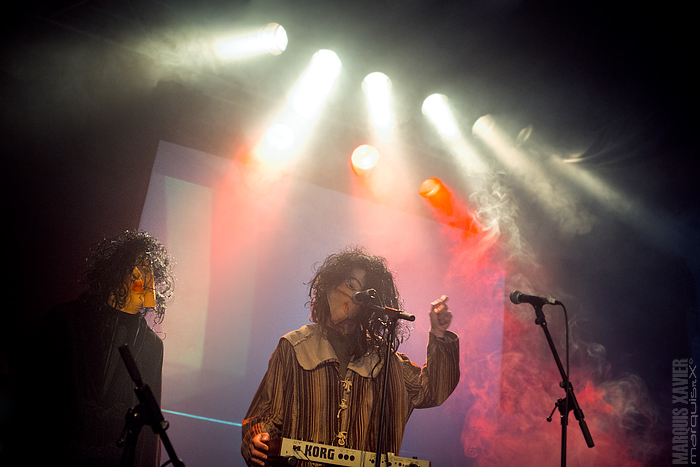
{"x": 340, "y": 298}
{"x": 341, "y": 306}
{"x": 142, "y": 294}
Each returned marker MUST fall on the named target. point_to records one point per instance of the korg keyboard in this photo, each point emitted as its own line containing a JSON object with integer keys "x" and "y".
{"x": 291, "y": 451}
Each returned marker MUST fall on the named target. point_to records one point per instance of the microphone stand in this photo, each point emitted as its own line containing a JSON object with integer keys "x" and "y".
{"x": 569, "y": 402}
{"x": 385, "y": 385}
{"x": 393, "y": 315}
{"x": 146, "y": 413}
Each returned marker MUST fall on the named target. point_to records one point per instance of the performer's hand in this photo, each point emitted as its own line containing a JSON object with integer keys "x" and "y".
{"x": 258, "y": 448}
{"x": 440, "y": 316}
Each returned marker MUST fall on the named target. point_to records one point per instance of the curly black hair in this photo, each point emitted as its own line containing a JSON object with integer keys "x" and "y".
{"x": 335, "y": 270}
{"x": 112, "y": 260}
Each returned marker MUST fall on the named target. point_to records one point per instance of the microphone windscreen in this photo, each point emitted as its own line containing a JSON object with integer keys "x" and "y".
{"x": 515, "y": 296}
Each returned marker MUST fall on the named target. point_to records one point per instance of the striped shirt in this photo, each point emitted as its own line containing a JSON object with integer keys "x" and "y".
{"x": 303, "y": 396}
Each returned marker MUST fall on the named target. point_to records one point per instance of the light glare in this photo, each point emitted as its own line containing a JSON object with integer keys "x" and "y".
{"x": 280, "y": 136}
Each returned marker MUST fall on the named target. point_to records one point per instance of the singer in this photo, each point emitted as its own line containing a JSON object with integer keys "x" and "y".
{"x": 323, "y": 380}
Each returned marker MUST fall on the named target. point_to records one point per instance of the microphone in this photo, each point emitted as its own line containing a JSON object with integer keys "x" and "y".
{"x": 364, "y": 297}
{"x": 518, "y": 297}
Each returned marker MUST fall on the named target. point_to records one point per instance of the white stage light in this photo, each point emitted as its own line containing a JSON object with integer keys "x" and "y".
{"x": 364, "y": 158}
{"x": 436, "y": 108}
{"x": 377, "y": 88}
{"x": 272, "y": 39}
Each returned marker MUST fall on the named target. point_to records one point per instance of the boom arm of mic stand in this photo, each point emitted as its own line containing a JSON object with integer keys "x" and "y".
{"x": 393, "y": 312}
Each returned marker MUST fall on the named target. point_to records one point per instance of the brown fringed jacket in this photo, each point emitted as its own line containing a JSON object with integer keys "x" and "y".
{"x": 303, "y": 396}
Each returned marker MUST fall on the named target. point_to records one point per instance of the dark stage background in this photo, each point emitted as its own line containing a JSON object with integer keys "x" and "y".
{"x": 95, "y": 95}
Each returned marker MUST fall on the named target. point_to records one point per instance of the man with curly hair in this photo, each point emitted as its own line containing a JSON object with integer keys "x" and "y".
{"x": 83, "y": 391}
{"x": 324, "y": 380}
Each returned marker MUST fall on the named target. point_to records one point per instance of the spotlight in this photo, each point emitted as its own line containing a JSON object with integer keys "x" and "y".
{"x": 449, "y": 209}
{"x": 326, "y": 62}
{"x": 272, "y": 39}
{"x": 376, "y": 80}
{"x": 435, "y": 107}
{"x": 364, "y": 158}
{"x": 523, "y": 136}
{"x": 483, "y": 126}
{"x": 430, "y": 187}
{"x": 438, "y": 195}
{"x": 377, "y": 88}
{"x": 434, "y": 104}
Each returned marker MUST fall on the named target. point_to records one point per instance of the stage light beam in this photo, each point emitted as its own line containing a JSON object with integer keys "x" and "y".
{"x": 280, "y": 137}
{"x": 288, "y": 132}
{"x": 436, "y": 108}
{"x": 377, "y": 89}
{"x": 316, "y": 83}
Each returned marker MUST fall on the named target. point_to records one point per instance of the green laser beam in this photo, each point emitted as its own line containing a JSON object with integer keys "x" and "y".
{"x": 224, "y": 422}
